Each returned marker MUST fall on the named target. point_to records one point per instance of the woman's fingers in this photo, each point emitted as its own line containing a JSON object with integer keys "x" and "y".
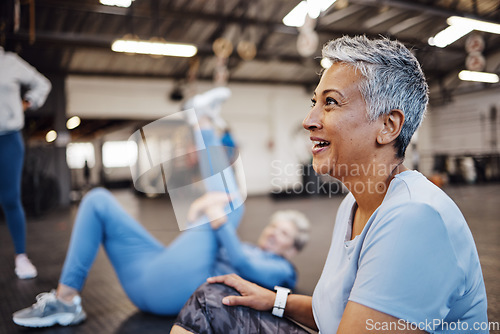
{"x": 252, "y": 295}
{"x": 230, "y": 279}
{"x": 211, "y": 203}
{"x": 237, "y": 300}
{"x": 194, "y": 210}
{"x": 234, "y": 281}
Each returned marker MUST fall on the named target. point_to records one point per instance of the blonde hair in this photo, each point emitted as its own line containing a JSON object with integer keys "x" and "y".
{"x": 301, "y": 223}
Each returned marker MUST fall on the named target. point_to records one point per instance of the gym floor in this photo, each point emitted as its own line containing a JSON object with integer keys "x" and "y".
{"x": 110, "y": 311}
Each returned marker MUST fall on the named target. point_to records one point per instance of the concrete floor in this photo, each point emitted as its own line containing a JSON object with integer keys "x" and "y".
{"x": 109, "y": 310}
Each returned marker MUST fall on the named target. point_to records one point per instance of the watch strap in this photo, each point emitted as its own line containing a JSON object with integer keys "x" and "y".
{"x": 280, "y": 301}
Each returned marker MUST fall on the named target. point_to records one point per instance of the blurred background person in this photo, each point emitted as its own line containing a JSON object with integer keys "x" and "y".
{"x": 16, "y": 74}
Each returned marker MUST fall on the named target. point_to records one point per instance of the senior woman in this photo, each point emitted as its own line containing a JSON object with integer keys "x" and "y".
{"x": 402, "y": 258}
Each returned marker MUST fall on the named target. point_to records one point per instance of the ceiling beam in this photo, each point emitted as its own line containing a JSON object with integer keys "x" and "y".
{"x": 138, "y": 12}
{"x": 408, "y": 23}
{"x": 199, "y": 78}
{"x": 65, "y": 40}
{"x": 274, "y": 26}
{"x": 383, "y": 17}
{"x": 340, "y": 14}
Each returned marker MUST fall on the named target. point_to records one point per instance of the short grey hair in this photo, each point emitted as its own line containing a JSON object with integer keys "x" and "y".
{"x": 393, "y": 80}
{"x": 301, "y": 223}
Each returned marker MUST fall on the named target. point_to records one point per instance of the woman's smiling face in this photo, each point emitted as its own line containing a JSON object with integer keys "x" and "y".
{"x": 278, "y": 237}
{"x": 343, "y": 137}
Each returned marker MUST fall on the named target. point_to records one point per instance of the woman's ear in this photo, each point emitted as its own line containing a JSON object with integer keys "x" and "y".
{"x": 393, "y": 123}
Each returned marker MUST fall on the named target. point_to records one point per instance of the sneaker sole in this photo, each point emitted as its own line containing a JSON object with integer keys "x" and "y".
{"x": 26, "y": 276}
{"x": 61, "y": 319}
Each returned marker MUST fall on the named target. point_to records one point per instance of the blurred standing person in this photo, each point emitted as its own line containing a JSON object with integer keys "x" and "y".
{"x": 16, "y": 73}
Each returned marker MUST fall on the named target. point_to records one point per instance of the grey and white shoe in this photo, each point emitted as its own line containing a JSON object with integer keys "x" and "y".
{"x": 49, "y": 311}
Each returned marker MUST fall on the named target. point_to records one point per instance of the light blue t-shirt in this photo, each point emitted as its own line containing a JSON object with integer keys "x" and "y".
{"x": 415, "y": 260}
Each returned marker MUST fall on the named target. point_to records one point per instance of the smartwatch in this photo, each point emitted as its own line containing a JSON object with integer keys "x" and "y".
{"x": 280, "y": 301}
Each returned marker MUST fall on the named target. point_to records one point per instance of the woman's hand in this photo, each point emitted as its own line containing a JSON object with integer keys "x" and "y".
{"x": 216, "y": 215}
{"x": 26, "y": 105}
{"x": 252, "y": 295}
{"x": 212, "y": 205}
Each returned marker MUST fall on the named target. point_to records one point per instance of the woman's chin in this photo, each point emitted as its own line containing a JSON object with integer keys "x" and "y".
{"x": 321, "y": 168}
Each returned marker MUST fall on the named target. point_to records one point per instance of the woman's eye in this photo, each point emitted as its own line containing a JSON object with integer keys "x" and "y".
{"x": 313, "y": 102}
{"x": 330, "y": 100}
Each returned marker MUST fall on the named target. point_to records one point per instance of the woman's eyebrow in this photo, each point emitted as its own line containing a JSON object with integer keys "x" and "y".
{"x": 326, "y": 91}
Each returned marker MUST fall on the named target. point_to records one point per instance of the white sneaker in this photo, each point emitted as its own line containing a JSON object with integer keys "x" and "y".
{"x": 24, "y": 268}
{"x": 209, "y": 104}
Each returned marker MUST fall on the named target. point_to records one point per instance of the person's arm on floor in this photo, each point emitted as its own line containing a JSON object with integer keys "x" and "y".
{"x": 273, "y": 271}
{"x": 298, "y": 307}
{"x": 270, "y": 272}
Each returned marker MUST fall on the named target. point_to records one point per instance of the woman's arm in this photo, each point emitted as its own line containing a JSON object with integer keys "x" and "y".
{"x": 267, "y": 271}
{"x": 264, "y": 270}
{"x": 360, "y": 319}
{"x": 298, "y": 307}
{"x": 38, "y": 85}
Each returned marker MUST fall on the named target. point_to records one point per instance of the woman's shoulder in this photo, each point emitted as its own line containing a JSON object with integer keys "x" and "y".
{"x": 412, "y": 191}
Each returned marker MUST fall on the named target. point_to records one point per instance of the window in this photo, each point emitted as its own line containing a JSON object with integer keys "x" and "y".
{"x": 119, "y": 153}
{"x": 78, "y": 153}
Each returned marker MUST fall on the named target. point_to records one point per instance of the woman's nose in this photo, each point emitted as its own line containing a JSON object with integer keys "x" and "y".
{"x": 312, "y": 120}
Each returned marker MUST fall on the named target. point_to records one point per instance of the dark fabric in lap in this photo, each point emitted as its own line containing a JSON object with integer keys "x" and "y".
{"x": 204, "y": 313}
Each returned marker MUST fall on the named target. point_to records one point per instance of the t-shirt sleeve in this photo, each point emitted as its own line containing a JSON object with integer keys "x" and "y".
{"x": 407, "y": 266}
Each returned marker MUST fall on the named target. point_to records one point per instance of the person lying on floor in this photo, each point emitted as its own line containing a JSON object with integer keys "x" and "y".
{"x": 159, "y": 279}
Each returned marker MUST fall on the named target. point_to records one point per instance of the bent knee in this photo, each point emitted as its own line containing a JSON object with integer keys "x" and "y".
{"x": 97, "y": 195}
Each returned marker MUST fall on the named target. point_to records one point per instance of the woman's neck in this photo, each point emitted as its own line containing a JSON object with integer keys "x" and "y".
{"x": 369, "y": 191}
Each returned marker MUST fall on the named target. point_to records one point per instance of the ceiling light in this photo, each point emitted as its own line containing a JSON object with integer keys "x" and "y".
{"x": 493, "y": 28}
{"x": 51, "y": 136}
{"x": 154, "y": 48}
{"x": 449, "y": 35}
{"x": 461, "y": 26}
{"x": 296, "y": 17}
{"x": 478, "y": 76}
{"x": 118, "y": 3}
{"x": 73, "y": 122}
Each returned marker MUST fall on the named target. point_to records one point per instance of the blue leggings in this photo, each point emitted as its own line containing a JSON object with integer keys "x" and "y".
{"x": 156, "y": 278}
{"x": 11, "y": 169}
